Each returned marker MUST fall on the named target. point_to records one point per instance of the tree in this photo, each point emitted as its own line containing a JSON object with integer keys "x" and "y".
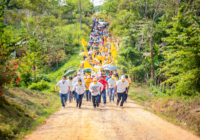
{"x": 182, "y": 54}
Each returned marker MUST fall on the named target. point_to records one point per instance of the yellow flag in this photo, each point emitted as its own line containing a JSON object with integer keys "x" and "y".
{"x": 104, "y": 42}
{"x": 84, "y": 43}
{"x": 112, "y": 47}
{"x": 114, "y": 53}
{"x": 87, "y": 65}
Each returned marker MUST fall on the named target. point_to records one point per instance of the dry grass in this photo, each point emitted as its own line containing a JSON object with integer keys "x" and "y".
{"x": 181, "y": 111}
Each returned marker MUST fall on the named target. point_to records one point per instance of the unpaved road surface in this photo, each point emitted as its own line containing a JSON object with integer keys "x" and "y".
{"x": 108, "y": 123}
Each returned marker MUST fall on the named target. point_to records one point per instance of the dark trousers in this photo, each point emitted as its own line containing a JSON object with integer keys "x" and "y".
{"x": 79, "y": 99}
{"x": 95, "y": 100}
{"x": 126, "y": 95}
{"x": 121, "y": 96}
{"x": 88, "y": 95}
{"x": 104, "y": 96}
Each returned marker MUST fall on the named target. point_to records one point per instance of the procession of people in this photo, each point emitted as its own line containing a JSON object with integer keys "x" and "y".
{"x": 97, "y": 77}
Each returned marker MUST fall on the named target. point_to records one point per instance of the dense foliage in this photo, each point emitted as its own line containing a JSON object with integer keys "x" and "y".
{"x": 159, "y": 39}
{"x": 43, "y": 34}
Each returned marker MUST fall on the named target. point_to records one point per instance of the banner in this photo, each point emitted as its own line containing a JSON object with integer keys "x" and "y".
{"x": 87, "y": 65}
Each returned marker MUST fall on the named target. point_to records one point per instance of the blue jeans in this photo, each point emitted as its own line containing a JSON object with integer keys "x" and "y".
{"x": 79, "y": 99}
{"x": 75, "y": 95}
{"x": 108, "y": 92}
{"x": 70, "y": 96}
{"x": 95, "y": 100}
{"x": 88, "y": 95}
{"x": 111, "y": 93}
{"x": 63, "y": 98}
{"x": 103, "y": 96}
{"x": 121, "y": 96}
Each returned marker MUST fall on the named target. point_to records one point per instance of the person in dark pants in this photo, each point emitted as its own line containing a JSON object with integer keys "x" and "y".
{"x": 96, "y": 88}
{"x": 127, "y": 88}
{"x": 105, "y": 86}
{"x": 79, "y": 88}
{"x": 120, "y": 89}
{"x": 88, "y": 81}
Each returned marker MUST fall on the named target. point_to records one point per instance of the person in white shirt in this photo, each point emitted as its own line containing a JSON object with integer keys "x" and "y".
{"x": 75, "y": 80}
{"x": 71, "y": 89}
{"x": 96, "y": 88}
{"x": 112, "y": 83}
{"x": 64, "y": 90}
{"x": 121, "y": 91}
{"x": 79, "y": 87}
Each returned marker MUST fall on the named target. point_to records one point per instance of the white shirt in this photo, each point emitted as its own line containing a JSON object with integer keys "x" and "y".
{"x": 121, "y": 86}
{"x": 112, "y": 83}
{"x": 96, "y": 88}
{"x": 63, "y": 87}
{"x": 80, "y": 89}
{"x": 75, "y": 80}
{"x": 70, "y": 84}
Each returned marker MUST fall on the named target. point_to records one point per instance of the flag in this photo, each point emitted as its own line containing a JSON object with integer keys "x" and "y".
{"x": 113, "y": 51}
{"x": 112, "y": 47}
{"x": 84, "y": 43}
{"x": 87, "y": 65}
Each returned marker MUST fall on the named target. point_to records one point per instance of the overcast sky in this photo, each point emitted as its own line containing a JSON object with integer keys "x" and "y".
{"x": 97, "y": 2}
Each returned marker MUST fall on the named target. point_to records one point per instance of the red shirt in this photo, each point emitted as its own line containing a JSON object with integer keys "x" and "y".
{"x": 104, "y": 82}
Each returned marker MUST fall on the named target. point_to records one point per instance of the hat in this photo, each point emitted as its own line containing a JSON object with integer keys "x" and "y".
{"x": 113, "y": 76}
{"x": 78, "y": 73}
{"x": 122, "y": 77}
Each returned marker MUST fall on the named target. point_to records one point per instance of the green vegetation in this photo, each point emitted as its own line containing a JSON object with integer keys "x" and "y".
{"x": 160, "y": 50}
{"x": 46, "y": 37}
{"x": 159, "y": 42}
{"x": 22, "y": 110}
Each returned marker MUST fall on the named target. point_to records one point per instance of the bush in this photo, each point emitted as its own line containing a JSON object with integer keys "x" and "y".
{"x": 38, "y": 78}
{"x": 42, "y": 85}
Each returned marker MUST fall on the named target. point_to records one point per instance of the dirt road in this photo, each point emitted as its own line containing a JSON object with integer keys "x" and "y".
{"x": 108, "y": 123}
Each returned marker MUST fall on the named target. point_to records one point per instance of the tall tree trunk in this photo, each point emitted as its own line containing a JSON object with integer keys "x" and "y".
{"x": 152, "y": 58}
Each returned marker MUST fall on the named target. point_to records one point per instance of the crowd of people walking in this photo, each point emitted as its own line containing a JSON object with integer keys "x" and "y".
{"x": 96, "y": 86}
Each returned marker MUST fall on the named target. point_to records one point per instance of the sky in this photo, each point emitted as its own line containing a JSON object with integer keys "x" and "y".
{"x": 97, "y": 2}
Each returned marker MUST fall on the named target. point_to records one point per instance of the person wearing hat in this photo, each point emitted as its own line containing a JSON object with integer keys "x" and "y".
{"x": 121, "y": 91}
{"x": 112, "y": 83}
{"x": 88, "y": 81}
{"x": 64, "y": 90}
{"x": 79, "y": 87}
{"x": 96, "y": 88}
{"x": 75, "y": 80}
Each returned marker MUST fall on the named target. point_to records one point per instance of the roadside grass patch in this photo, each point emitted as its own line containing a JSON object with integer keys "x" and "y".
{"x": 21, "y": 110}
{"x": 182, "y": 111}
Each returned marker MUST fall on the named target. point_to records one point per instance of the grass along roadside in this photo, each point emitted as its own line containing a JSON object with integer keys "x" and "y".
{"x": 22, "y": 110}
{"x": 181, "y": 111}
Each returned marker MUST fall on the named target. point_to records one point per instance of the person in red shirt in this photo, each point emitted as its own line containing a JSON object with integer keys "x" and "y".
{"x": 105, "y": 86}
